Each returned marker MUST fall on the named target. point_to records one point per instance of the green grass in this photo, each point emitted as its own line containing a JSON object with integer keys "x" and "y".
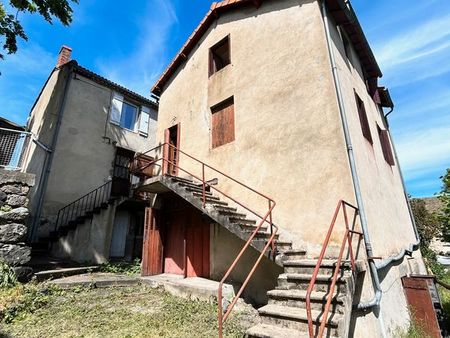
{"x": 445, "y": 296}
{"x": 136, "y": 311}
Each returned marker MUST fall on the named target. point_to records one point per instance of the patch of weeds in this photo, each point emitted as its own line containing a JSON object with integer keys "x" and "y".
{"x": 20, "y": 300}
{"x": 414, "y": 330}
{"x": 126, "y": 268}
{"x": 445, "y": 298}
{"x": 8, "y": 278}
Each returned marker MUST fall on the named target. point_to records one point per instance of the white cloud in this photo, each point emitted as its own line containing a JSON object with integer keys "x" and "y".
{"x": 140, "y": 69}
{"x": 423, "y": 40}
{"x": 424, "y": 150}
{"x": 29, "y": 59}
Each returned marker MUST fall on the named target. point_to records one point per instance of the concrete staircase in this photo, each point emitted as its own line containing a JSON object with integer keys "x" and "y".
{"x": 224, "y": 213}
{"x": 285, "y": 314}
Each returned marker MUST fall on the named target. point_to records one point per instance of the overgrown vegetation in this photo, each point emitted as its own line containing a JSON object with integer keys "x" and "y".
{"x": 8, "y": 278}
{"x": 429, "y": 227}
{"x": 414, "y": 330}
{"x": 444, "y": 215}
{"x": 133, "y": 268}
{"x": 137, "y": 311}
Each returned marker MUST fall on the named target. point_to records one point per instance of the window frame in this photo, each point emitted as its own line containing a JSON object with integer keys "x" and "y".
{"x": 230, "y": 133}
{"x": 211, "y": 63}
{"x": 136, "y": 116}
{"x": 363, "y": 119}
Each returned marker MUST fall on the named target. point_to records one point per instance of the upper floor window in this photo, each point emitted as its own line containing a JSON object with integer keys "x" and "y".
{"x": 386, "y": 145}
{"x": 222, "y": 123}
{"x": 363, "y": 119}
{"x": 219, "y": 55}
{"x": 129, "y": 115}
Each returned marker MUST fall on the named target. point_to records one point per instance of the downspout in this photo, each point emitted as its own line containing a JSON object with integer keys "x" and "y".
{"x": 48, "y": 159}
{"x": 356, "y": 185}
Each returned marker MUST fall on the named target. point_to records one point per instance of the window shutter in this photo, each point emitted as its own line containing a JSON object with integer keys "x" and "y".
{"x": 386, "y": 146}
{"x": 116, "y": 108}
{"x": 144, "y": 120}
{"x": 222, "y": 123}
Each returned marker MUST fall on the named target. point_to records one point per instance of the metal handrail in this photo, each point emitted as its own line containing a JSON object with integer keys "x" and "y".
{"x": 267, "y": 218}
{"x": 89, "y": 201}
{"x": 347, "y": 239}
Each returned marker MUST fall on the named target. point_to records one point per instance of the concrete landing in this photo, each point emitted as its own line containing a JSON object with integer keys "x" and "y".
{"x": 194, "y": 288}
{"x": 98, "y": 280}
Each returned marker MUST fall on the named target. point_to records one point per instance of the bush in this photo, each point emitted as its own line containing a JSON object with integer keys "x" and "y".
{"x": 133, "y": 268}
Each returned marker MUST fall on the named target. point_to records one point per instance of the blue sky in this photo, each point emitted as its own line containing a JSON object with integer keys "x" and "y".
{"x": 132, "y": 43}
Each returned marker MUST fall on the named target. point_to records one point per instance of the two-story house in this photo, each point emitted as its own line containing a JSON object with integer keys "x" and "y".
{"x": 271, "y": 114}
{"x": 86, "y": 129}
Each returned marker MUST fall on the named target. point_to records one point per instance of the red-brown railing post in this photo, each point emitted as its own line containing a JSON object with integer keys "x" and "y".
{"x": 165, "y": 159}
{"x": 203, "y": 185}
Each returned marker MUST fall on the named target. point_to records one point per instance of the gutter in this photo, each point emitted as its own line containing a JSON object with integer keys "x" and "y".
{"x": 46, "y": 170}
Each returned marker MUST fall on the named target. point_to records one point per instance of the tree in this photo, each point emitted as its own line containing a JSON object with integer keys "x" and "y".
{"x": 10, "y": 27}
{"x": 444, "y": 197}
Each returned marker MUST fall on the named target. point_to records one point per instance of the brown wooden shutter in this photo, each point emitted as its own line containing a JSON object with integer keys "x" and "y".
{"x": 222, "y": 123}
{"x": 386, "y": 146}
{"x": 363, "y": 119}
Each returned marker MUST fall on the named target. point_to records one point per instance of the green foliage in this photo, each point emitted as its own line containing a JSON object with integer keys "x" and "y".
{"x": 21, "y": 300}
{"x": 414, "y": 330}
{"x": 11, "y": 28}
{"x": 126, "y": 268}
{"x": 444, "y": 197}
{"x": 5, "y": 208}
{"x": 429, "y": 227}
{"x": 8, "y": 278}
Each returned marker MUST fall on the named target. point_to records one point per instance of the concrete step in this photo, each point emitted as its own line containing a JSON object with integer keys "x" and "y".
{"x": 221, "y": 209}
{"x": 182, "y": 180}
{"x": 208, "y": 197}
{"x": 297, "y": 298}
{"x": 242, "y": 220}
{"x": 293, "y": 254}
{"x": 215, "y": 202}
{"x": 272, "y": 331}
{"x": 197, "y": 189}
{"x": 261, "y": 234}
{"x": 287, "y": 281}
{"x": 64, "y": 272}
{"x": 251, "y": 228}
{"x": 296, "y": 318}
{"x": 327, "y": 267}
{"x": 230, "y": 213}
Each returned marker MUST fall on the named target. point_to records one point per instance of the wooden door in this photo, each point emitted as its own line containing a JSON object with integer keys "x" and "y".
{"x": 174, "y": 248}
{"x": 197, "y": 240}
{"x": 172, "y": 137}
{"x": 152, "y": 251}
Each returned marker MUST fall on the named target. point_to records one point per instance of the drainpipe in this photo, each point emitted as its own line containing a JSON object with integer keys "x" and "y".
{"x": 48, "y": 160}
{"x": 373, "y": 270}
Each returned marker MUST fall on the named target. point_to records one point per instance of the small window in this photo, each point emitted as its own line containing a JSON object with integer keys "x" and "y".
{"x": 363, "y": 119}
{"x": 219, "y": 55}
{"x": 123, "y": 113}
{"x": 347, "y": 46}
{"x": 222, "y": 123}
{"x": 386, "y": 145}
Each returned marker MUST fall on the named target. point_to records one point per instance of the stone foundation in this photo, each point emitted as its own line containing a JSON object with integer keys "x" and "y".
{"x": 14, "y": 187}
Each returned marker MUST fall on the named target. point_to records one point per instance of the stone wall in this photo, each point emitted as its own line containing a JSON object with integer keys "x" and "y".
{"x": 14, "y": 187}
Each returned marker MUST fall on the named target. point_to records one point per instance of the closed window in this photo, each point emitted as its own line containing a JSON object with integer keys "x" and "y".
{"x": 219, "y": 55}
{"x": 363, "y": 119}
{"x": 222, "y": 123}
{"x": 386, "y": 145}
{"x": 128, "y": 115}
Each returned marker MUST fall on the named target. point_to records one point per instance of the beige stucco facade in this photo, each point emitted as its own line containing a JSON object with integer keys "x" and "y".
{"x": 289, "y": 139}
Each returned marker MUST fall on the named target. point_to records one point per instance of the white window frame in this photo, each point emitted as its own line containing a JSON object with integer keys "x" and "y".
{"x": 116, "y": 111}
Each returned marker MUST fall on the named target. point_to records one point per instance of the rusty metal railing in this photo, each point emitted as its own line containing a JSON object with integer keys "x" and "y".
{"x": 347, "y": 240}
{"x": 167, "y": 169}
